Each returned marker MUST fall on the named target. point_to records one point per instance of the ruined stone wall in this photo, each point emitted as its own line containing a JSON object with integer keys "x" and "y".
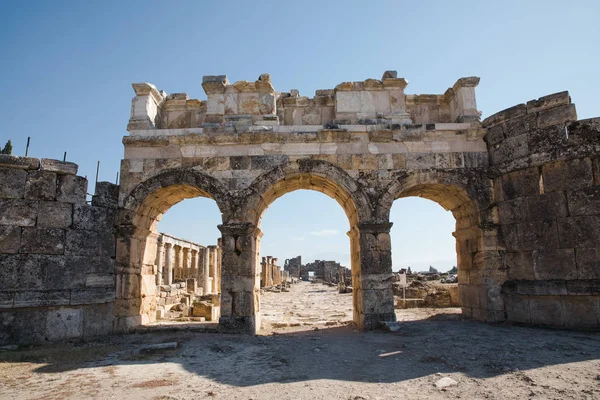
{"x": 56, "y": 252}
{"x": 544, "y": 165}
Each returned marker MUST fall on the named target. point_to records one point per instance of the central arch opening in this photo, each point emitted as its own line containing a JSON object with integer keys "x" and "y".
{"x": 306, "y": 281}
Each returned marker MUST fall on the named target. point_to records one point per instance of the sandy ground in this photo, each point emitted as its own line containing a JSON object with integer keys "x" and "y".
{"x": 316, "y": 361}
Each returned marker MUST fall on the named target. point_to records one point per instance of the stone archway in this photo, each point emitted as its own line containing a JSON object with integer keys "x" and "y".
{"x": 467, "y": 195}
{"x": 142, "y": 209}
{"x": 369, "y": 242}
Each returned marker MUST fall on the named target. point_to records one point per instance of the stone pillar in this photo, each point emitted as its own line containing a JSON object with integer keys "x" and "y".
{"x": 194, "y": 265}
{"x": 219, "y": 263}
{"x": 168, "y": 272}
{"x": 372, "y": 284}
{"x": 213, "y": 267}
{"x": 206, "y": 272}
{"x": 240, "y": 297}
{"x": 186, "y": 263}
{"x": 264, "y": 271}
{"x": 178, "y": 263}
{"x": 160, "y": 258}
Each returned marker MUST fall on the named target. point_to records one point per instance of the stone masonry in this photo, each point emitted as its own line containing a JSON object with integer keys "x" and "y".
{"x": 523, "y": 186}
{"x": 366, "y": 144}
{"x": 57, "y": 253}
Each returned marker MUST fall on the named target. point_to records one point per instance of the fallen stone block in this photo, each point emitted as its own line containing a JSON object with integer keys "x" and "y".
{"x": 153, "y": 348}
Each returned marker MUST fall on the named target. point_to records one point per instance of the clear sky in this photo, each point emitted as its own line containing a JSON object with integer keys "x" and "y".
{"x": 67, "y": 66}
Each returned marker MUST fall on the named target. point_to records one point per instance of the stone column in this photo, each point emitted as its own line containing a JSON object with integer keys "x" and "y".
{"x": 186, "y": 263}
{"x": 219, "y": 263}
{"x": 194, "y": 265}
{"x": 206, "y": 272}
{"x": 160, "y": 257}
{"x": 168, "y": 272}
{"x": 213, "y": 267}
{"x": 372, "y": 284}
{"x": 178, "y": 263}
{"x": 264, "y": 271}
{"x": 240, "y": 297}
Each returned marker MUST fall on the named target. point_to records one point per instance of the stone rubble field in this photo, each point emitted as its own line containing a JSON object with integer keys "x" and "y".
{"x": 308, "y": 350}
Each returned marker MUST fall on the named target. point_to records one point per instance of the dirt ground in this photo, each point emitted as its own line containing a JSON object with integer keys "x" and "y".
{"x": 299, "y": 356}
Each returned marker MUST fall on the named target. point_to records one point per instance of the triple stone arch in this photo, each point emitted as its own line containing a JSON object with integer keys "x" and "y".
{"x": 367, "y": 203}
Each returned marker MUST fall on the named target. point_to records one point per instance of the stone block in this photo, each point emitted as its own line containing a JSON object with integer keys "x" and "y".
{"x": 42, "y": 298}
{"x": 7, "y": 299}
{"x": 510, "y": 149}
{"x": 108, "y": 244}
{"x": 420, "y": 160}
{"x": 519, "y": 264}
{"x": 60, "y": 273}
{"x": 581, "y": 312}
{"x": 579, "y": 232}
{"x": 584, "y": 201}
{"x": 23, "y": 327}
{"x": 539, "y": 235}
{"x": 517, "y": 308}
{"x": 558, "y": 115}
{"x": 18, "y": 212}
{"x": 91, "y": 265}
{"x": 40, "y": 185}
{"x": 58, "y": 166}
{"x": 522, "y": 183}
{"x": 82, "y": 243}
{"x": 542, "y": 288}
{"x": 54, "y": 214}
{"x": 64, "y": 323}
{"x": 92, "y": 296}
{"x": 95, "y": 280}
{"x": 204, "y": 309}
{"x": 267, "y": 162}
{"x": 42, "y": 241}
{"x": 588, "y": 263}
{"x": 520, "y": 126}
{"x": 565, "y": 175}
{"x": 71, "y": 189}
{"x": 92, "y": 218}
{"x": 546, "y": 206}
{"x": 13, "y": 183}
{"x": 98, "y": 319}
{"x": 18, "y": 162}
{"x": 546, "y": 310}
{"x": 583, "y": 287}
{"x": 554, "y": 264}
{"x": 106, "y": 195}
{"x": 513, "y": 211}
{"x": 10, "y": 239}
{"x": 29, "y": 273}
{"x": 549, "y": 101}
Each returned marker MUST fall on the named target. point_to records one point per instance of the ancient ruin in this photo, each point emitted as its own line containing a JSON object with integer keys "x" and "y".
{"x": 523, "y": 186}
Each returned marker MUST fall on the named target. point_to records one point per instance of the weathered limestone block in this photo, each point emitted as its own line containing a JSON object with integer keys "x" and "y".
{"x": 205, "y": 309}
{"x": 60, "y": 167}
{"x": 107, "y": 195}
{"x": 40, "y": 185}
{"x": 565, "y": 175}
{"x": 18, "y": 162}
{"x": 54, "y": 215}
{"x": 583, "y": 231}
{"x": 43, "y": 241}
{"x": 588, "y": 263}
{"x": 10, "y": 239}
{"x": 62, "y": 273}
{"x": 584, "y": 201}
{"x": 82, "y": 243}
{"x": 64, "y": 323}
{"x": 98, "y": 319}
{"x": 13, "y": 183}
{"x": 554, "y": 263}
{"x": 87, "y": 217}
{"x": 71, "y": 189}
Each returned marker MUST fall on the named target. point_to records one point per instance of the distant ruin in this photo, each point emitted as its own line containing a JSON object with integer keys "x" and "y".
{"x": 523, "y": 186}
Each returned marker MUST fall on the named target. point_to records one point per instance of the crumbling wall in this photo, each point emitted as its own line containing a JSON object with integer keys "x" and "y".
{"x": 56, "y": 252}
{"x": 544, "y": 165}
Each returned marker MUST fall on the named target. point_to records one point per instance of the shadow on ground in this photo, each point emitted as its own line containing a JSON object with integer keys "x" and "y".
{"x": 418, "y": 349}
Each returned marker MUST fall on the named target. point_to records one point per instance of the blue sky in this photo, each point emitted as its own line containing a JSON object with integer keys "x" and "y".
{"x": 67, "y": 69}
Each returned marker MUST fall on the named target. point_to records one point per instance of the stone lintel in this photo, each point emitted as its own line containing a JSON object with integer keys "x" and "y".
{"x": 399, "y": 83}
{"x": 59, "y": 167}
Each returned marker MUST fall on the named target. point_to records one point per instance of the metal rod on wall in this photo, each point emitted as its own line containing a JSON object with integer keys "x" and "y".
{"x": 27, "y": 148}
{"x": 97, "y": 171}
